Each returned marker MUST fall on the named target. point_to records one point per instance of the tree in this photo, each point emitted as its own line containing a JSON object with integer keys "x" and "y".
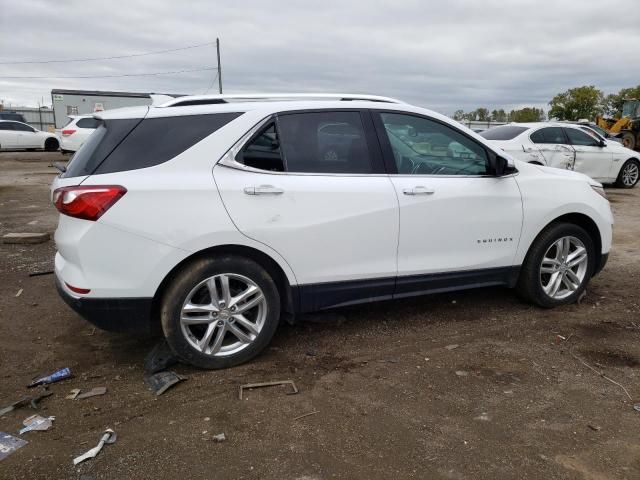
{"x": 458, "y": 115}
{"x": 482, "y": 114}
{"x": 527, "y": 114}
{"x": 577, "y": 103}
{"x": 499, "y": 115}
{"x": 613, "y": 102}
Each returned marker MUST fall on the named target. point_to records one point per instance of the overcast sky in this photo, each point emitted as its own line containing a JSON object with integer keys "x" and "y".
{"x": 444, "y": 54}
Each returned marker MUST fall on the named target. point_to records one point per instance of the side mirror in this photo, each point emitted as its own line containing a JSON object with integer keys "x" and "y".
{"x": 602, "y": 143}
{"x": 500, "y": 165}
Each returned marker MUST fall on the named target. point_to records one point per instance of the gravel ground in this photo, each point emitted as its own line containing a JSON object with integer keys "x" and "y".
{"x": 467, "y": 385}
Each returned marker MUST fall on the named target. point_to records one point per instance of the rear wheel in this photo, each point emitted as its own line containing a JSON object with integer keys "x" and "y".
{"x": 558, "y": 266}
{"x": 629, "y": 140}
{"x": 51, "y": 145}
{"x": 629, "y": 174}
{"x": 220, "y": 312}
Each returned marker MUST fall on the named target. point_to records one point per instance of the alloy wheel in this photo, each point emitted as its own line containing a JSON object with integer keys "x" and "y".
{"x": 223, "y": 314}
{"x": 564, "y": 267}
{"x": 630, "y": 174}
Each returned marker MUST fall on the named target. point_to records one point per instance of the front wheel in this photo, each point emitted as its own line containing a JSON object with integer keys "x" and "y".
{"x": 558, "y": 266}
{"x": 220, "y": 312}
{"x": 629, "y": 174}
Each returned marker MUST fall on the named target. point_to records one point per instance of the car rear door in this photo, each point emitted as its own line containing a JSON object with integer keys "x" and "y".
{"x": 459, "y": 225}
{"x": 8, "y": 136}
{"x": 554, "y": 147}
{"x": 323, "y": 202}
{"x": 591, "y": 158}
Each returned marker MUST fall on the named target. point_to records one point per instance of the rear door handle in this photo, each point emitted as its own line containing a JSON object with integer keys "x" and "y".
{"x": 419, "y": 190}
{"x": 263, "y": 190}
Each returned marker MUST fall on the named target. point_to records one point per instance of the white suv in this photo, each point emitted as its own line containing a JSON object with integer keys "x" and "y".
{"x": 212, "y": 218}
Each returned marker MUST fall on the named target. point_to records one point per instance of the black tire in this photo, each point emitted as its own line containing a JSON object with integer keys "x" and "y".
{"x": 629, "y": 140}
{"x": 192, "y": 275}
{"x": 51, "y": 145}
{"x": 529, "y": 285}
{"x": 622, "y": 180}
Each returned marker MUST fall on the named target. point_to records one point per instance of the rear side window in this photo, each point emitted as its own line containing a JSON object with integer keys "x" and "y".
{"x": 324, "y": 142}
{"x": 88, "y": 123}
{"x": 263, "y": 151}
{"x": 548, "y": 135}
{"x": 130, "y": 144}
{"x": 508, "y": 132}
{"x": 6, "y": 126}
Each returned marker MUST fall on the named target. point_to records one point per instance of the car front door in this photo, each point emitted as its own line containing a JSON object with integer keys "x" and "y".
{"x": 591, "y": 158}
{"x": 333, "y": 217}
{"x": 8, "y": 136}
{"x": 459, "y": 224}
{"x": 27, "y": 136}
{"x": 554, "y": 147}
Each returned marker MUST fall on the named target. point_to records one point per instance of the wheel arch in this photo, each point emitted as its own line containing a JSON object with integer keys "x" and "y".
{"x": 288, "y": 298}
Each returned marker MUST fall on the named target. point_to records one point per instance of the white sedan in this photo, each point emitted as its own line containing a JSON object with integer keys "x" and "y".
{"x": 20, "y": 136}
{"x": 568, "y": 146}
{"x": 76, "y": 132}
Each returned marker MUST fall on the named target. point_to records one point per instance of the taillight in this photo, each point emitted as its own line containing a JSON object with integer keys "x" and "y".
{"x": 82, "y": 291}
{"x": 68, "y": 132}
{"x": 87, "y": 202}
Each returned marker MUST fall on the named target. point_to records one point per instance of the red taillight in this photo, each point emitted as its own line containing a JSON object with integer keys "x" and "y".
{"x": 68, "y": 132}
{"x": 87, "y": 202}
{"x": 82, "y": 291}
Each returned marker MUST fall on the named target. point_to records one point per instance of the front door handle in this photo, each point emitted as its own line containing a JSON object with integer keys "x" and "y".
{"x": 263, "y": 190}
{"x": 419, "y": 190}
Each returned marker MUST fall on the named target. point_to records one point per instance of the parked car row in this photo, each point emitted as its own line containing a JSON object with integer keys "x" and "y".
{"x": 271, "y": 207}
{"x": 20, "y": 136}
{"x": 569, "y": 146}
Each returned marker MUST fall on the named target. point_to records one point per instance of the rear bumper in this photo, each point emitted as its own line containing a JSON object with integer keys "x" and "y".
{"x": 132, "y": 315}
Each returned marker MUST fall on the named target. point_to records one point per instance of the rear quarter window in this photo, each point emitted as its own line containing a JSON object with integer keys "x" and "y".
{"x": 88, "y": 123}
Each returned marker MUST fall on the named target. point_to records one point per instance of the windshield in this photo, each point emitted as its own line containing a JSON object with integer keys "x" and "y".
{"x": 506, "y": 132}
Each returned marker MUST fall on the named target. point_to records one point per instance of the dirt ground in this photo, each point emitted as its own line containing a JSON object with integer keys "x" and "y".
{"x": 459, "y": 386}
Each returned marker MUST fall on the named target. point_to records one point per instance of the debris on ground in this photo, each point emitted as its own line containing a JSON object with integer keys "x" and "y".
{"x": 19, "y": 293}
{"x": 26, "y": 401}
{"x": 306, "y": 415}
{"x": 219, "y": 438}
{"x": 452, "y": 347}
{"x": 92, "y": 393}
{"x": 595, "y": 428}
{"x": 159, "y": 358}
{"x": 107, "y": 438}
{"x": 56, "y": 376}
{"x": 36, "y": 422}
{"x": 461, "y": 373}
{"x": 73, "y": 394}
{"x": 9, "y": 444}
{"x": 25, "y": 238}
{"x": 39, "y": 274}
{"x": 269, "y": 384}
{"x": 636, "y": 407}
{"x": 160, "y": 382}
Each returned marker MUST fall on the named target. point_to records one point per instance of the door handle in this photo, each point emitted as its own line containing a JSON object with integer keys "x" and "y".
{"x": 419, "y": 190}
{"x": 263, "y": 190}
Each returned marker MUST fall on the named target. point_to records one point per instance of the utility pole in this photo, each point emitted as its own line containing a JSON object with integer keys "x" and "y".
{"x": 219, "y": 66}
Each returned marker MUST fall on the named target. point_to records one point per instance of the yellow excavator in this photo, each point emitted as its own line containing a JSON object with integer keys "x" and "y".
{"x": 627, "y": 127}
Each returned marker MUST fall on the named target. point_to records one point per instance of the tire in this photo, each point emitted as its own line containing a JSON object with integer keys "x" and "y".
{"x": 629, "y": 140}
{"x": 533, "y": 280}
{"x": 185, "y": 329}
{"x": 51, "y": 145}
{"x": 629, "y": 174}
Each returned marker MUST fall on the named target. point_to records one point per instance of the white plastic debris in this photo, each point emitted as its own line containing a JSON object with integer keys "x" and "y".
{"x": 36, "y": 422}
{"x": 108, "y": 438}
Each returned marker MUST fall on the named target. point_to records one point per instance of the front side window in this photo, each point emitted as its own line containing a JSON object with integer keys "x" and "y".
{"x": 548, "y": 135}
{"x": 21, "y": 127}
{"x": 578, "y": 137}
{"x": 422, "y": 146}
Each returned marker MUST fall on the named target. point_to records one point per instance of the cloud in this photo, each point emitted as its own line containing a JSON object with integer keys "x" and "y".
{"x": 443, "y": 55}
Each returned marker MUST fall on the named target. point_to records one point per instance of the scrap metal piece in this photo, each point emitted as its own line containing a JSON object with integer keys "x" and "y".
{"x": 56, "y": 376}
{"x": 159, "y": 358}
{"x": 23, "y": 402}
{"x": 107, "y": 438}
{"x": 161, "y": 381}
{"x": 92, "y": 393}
{"x": 269, "y": 384}
{"x": 36, "y": 422}
{"x": 9, "y": 444}
{"x": 73, "y": 394}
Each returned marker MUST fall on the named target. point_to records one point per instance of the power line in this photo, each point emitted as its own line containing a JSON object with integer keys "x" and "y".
{"x": 211, "y": 84}
{"x": 110, "y": 76}
{"x": 108, "y": 58}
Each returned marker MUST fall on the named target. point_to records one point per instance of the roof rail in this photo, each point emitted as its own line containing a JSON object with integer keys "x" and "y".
{"x": 281, "y": 97}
